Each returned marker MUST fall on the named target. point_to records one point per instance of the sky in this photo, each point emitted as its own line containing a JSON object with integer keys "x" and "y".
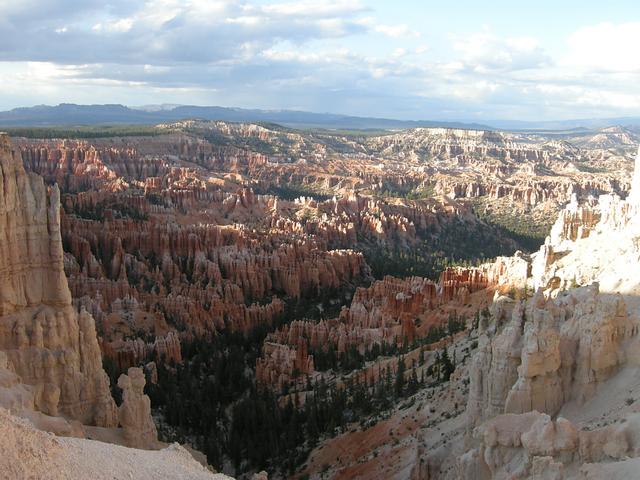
{"x": 405, "y": 59}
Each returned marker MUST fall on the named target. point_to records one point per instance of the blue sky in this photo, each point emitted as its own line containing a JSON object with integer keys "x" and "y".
{"x": 462, "y": 60}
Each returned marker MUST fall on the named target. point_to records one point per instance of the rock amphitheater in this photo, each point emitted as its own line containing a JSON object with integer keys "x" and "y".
{"x": 547, "y": 385}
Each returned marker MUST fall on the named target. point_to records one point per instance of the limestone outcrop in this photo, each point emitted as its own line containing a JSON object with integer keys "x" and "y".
{"x": 135, "y": 412}
{"x": 549, "y": 353}
{"x": 50, "y": 360}
{"x": 533, "y": 445}
{"x": 31, "y": 256}
{"x": 49, "y": 345}
{"x": 559, "y": 353}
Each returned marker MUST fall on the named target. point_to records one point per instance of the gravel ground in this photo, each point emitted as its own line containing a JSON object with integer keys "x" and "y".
{"x": 27, "y": 453}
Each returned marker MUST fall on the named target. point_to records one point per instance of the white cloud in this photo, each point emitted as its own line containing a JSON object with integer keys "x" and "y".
{"x": 277, "y": 55}
{"x": 392, "y": 31}
{"x": 487, "y": 51}
{"x": 170, "y": 31}
{"x": 605, "y": 47}
{"x": 395, "y": 31}
{"x": 121, "y": 25}
{"x": 315, "y": 8}
{"x": 250, "y": 20}
{"x": 589, "y": 97}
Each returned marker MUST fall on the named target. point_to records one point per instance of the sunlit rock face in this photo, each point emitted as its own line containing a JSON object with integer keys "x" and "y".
{"x": 549, "y": 353}
{"x": 592, "y": 241}
{"x": 565, "y": 350}
{"x": 533, "y": 445}
{"x": 51, "y": 347}
{"x": 135, "y": 412}
{"x": 634, "y": 195}
{"x": 32, "y": 252}
{"x": 517, "y": 167}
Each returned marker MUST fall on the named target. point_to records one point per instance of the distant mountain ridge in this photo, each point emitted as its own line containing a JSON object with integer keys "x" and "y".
{"x": 72, "y": 114}
{"x": 69, "y": 114}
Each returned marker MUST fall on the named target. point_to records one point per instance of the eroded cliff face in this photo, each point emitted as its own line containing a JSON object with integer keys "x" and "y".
{"x": 166, "y": 239}
{"x": 534, "y": 445}
{"x": 520, "y": 167}
{"x": 565, "y": 353}
{"x": 49, "y": 345}
{"x": 50, "y": 361}
{"x": 550, "y": 353}
{"x": 32, "y": 252}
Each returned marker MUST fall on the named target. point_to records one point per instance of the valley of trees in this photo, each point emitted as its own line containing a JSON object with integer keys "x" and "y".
{"x": 525, "y": 228}
{"x": 457, "y": 243}
{"x": 212, "y": 401}
{"x": 292, "y": 191}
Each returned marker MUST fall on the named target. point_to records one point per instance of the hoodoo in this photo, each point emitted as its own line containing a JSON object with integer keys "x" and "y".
{"x": 304, "y": 303}
{"x": 51, "y": 347}
{"x": 50, "y": 363}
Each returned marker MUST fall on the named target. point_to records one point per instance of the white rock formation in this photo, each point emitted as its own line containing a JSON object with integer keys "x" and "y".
{"x": 552, "y": 392}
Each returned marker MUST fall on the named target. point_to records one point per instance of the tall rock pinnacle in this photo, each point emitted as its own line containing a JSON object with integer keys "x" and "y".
{"x": 47, "y": 343}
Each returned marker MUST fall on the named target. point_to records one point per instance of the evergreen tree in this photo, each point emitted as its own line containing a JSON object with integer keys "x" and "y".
{"x": 413, "y": 385}
{"x": 447, "y": 366}
{"x": 400, "y": 381}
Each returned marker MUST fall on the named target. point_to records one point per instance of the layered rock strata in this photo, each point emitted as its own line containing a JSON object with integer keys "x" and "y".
{"x": 50, "y": 360}
{"x": 49, "y": 345}
{"x": 135, "y": 412}
{"x": 558, "y": 353}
